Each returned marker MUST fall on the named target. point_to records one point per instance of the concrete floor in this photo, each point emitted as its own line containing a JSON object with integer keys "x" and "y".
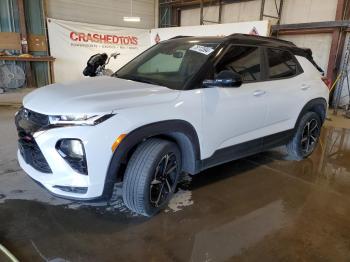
{"x": 14, "y": 97}
{"x": 261, "y": 208}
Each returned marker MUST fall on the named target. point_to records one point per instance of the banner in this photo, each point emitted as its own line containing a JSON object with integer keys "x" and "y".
{"x": 73, "y": 43}
{"x": 254, "y": 28}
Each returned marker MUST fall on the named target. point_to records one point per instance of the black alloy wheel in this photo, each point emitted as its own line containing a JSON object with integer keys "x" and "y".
{"x": 306, "y": 136}
{"x": 310, "y": 136}
{"x": 163, "y": 181}
{"x": 151, "y": 176}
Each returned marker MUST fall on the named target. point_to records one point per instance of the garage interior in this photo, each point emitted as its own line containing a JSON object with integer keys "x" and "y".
{"x": 264, "y": 207}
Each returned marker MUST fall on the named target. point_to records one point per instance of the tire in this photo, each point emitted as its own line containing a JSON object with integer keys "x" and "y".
{"x": 306, "y": 136}
{"x": 146, "y": 189}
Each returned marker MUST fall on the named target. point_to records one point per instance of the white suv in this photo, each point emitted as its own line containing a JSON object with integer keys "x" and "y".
{"x": 184, "y": 105}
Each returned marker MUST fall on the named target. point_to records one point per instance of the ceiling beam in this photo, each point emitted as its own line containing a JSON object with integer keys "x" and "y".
{"x": 313, "y": 26}
{"x": 197, "y": 3}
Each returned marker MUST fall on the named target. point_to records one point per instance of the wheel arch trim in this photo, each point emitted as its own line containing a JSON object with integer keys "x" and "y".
{"x": 180, "y": 131}
{"x": 314, "y": 105}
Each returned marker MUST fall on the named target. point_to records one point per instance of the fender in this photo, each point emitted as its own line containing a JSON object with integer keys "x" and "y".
{"x": 180, "y": 131}
{"x": 318, "y": 105}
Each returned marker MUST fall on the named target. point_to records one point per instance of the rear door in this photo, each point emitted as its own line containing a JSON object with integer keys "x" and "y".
{"x": 285, "y": 89}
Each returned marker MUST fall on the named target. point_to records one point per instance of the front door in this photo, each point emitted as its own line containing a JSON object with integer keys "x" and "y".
{"x": 235, "y": 115}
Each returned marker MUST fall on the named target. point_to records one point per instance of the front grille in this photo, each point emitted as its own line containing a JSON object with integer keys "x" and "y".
{"x": 28, "y": 122}
{"x": 32, "y": 154}
{"x": 70, "y": 189}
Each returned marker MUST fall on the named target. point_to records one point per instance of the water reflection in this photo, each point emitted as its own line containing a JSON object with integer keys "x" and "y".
{"x": 329, "y": 165}
{"x": 261, "y": 208}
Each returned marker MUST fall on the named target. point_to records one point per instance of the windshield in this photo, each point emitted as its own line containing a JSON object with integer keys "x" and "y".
{"x": 169, "y": 64}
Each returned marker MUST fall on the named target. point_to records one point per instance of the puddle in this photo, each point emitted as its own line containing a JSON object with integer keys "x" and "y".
{"x": 18, "y": 186}
{"x": 181, "y": 199}
{"x": 26, "y": 189}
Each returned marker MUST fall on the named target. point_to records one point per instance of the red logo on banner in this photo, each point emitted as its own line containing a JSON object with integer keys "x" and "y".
{"x": 254, "y": 31}
{"x": 101, "y": 38}
{"x": 157, "y": 38}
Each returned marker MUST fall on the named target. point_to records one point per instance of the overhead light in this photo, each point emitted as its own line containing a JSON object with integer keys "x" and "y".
{"x": 132, "y": 19}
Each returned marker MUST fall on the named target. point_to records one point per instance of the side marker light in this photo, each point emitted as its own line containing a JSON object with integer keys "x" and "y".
{"x": 117, "y": 142}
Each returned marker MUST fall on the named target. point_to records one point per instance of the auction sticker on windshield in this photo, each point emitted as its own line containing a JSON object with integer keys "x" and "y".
{"x": 202, "y": 49}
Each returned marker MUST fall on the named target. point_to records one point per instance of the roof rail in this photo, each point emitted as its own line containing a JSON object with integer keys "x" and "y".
{"x": 277, "y": 40}
{"x": 180, "y": 36}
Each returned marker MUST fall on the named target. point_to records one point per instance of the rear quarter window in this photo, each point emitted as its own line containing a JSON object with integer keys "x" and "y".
{"x": 281, "y": 64}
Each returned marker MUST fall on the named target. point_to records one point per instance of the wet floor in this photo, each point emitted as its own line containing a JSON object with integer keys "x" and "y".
{"x": 261, "y": 208}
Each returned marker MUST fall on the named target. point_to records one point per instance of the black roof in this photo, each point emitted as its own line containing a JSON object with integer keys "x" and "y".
{"x": 246, "y": 39}
{"x": 261, "y": 40}
{"x": 241, "y": 39}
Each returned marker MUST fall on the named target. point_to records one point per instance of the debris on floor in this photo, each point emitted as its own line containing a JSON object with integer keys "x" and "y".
{"x": 181, "y": 199}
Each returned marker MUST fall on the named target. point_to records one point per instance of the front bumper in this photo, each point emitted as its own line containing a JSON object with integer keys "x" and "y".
{"x": 50, "y": 185}
{"x": 97, "y": 142}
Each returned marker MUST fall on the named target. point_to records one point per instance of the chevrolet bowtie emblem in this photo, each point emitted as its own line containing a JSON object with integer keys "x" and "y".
{"x": 25, "y": 113}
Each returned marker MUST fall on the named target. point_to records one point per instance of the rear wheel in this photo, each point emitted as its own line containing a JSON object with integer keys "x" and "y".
{"x": 151, "y": 176}
{"x": 306, "y": 136}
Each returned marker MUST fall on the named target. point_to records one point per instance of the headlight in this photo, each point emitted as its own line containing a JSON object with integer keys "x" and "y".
{"x": 79, "y": 119}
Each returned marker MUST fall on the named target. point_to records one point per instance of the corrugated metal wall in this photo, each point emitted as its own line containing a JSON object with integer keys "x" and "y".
{"x": 303, "y": 11}
{"x": 9, "y": 22}
{"x": 105, "y": 12}
{"x": 294, "y": 11}
{"x": 9, "y": 16}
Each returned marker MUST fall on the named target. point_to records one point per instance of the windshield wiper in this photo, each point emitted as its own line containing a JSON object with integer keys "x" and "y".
{"x": 140, "y": 79}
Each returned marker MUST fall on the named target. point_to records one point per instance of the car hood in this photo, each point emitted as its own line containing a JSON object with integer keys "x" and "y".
{"x": 96, "y": 95}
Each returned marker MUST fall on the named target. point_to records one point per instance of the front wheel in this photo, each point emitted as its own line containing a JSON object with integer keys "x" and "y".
{"x": 151, "y": 176}
{"x": 306, "y": 136}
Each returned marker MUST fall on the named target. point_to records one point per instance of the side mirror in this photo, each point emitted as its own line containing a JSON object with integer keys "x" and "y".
{"x": 226, "y": 78}
{"x": 178, "y": 54}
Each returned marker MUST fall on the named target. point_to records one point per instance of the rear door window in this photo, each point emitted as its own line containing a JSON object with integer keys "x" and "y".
{"x": 281, "y": 64}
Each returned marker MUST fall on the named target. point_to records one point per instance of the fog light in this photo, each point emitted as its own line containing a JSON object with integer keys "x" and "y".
{"x": 71, "y": 147}
{"x": 72, "y": 150}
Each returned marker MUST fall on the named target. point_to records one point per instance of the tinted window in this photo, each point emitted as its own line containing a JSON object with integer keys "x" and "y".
{"x": 281, "y": 64}
{"x": 244, "y": 60}
{"x": 162, "y": 63}
{"x": 170, "y": 64}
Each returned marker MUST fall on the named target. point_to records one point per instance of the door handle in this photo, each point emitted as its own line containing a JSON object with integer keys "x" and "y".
{"x": 259, "y": 92}
{"x": 305, "y": 87}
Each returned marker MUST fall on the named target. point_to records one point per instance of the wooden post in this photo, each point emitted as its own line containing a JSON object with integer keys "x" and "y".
{"x": 201, "y": 18}
{"x": 262, "y": 9}
{"x": 24, "y": 41}
{"x": 338, "y": 39}
{"x": 220, "y": 12}
{"x": 50, "y": 64}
